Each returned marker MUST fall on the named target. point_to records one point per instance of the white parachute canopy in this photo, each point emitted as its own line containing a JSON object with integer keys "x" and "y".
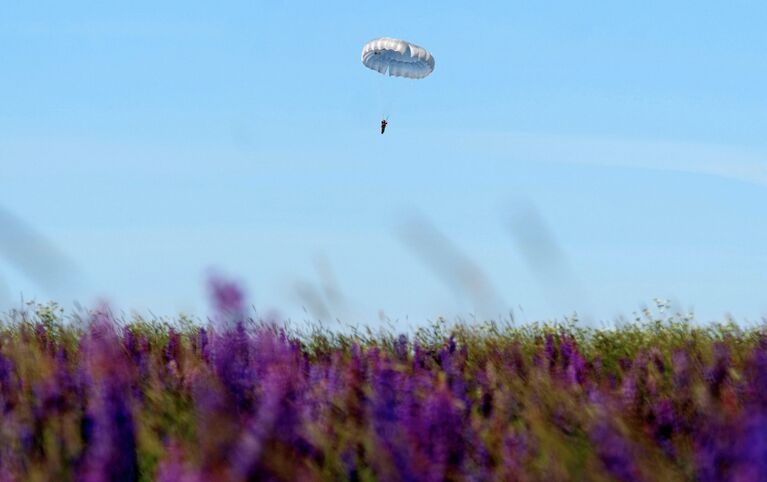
{"x": 397, "y": 58}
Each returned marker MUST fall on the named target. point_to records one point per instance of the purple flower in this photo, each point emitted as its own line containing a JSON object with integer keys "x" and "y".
{"x": 420, "y": 357}
{"x": 387, "y": 414}
{"x": 443, "y": 435}
{"x": 227, "y": 297}
{"x": 108, "y": 426}
{"x": 574, "y": 364}
{"x": 232, "y": 359}
{"x": 385, "y": 380}
{"x": 717, "y": 374}
{"x": 715, "y": 450}
{"x": 566, "y": 349}
{"x": 248, "y": 453}
{"x": 757, "y": 377}
{"x": 551, "y": 351}
{"x": 201, "y": 344}
{"x": 173, "y": 468}
{"x": 663, "y": 425}
{"x": 751, "y": 462}
{"x": 615, "y": 452}
{"x": 517, "y": 449}
{"x": 172, "y": 350}
{"x": 9, "y": 384}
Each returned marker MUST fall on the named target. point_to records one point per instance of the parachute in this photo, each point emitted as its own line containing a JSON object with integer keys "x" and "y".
{"x": 397, "y": 58}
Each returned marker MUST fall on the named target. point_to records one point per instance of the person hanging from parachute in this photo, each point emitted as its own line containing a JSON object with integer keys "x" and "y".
{"x": 397, "y": 58}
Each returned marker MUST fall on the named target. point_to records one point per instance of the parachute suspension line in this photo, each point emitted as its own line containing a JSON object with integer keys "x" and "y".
{"x": 381, "y": 97}
{"x": 384, "y": 89}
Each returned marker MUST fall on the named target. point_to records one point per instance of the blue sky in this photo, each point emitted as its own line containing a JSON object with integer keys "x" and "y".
{"x": 150, "y": 142}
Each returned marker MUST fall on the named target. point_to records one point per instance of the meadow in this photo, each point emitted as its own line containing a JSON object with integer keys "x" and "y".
{"x": 92, "y": 396}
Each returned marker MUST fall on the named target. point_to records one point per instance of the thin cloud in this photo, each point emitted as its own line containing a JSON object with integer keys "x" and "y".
{"x": 731, "y": 162}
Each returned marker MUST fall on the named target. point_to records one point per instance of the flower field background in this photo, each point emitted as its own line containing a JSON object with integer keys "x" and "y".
{"x": 95, "y": 398}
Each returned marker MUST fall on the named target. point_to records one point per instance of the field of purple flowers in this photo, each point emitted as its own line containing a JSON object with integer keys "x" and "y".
{"x": 93, "y": 398}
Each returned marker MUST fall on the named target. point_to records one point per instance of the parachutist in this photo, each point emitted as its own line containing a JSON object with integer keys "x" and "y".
{"x": 383, "y": 125}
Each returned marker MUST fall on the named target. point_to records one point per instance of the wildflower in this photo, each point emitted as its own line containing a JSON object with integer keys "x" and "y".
{"x": 615, "y": 452}
{"x": 228, "y": 299}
